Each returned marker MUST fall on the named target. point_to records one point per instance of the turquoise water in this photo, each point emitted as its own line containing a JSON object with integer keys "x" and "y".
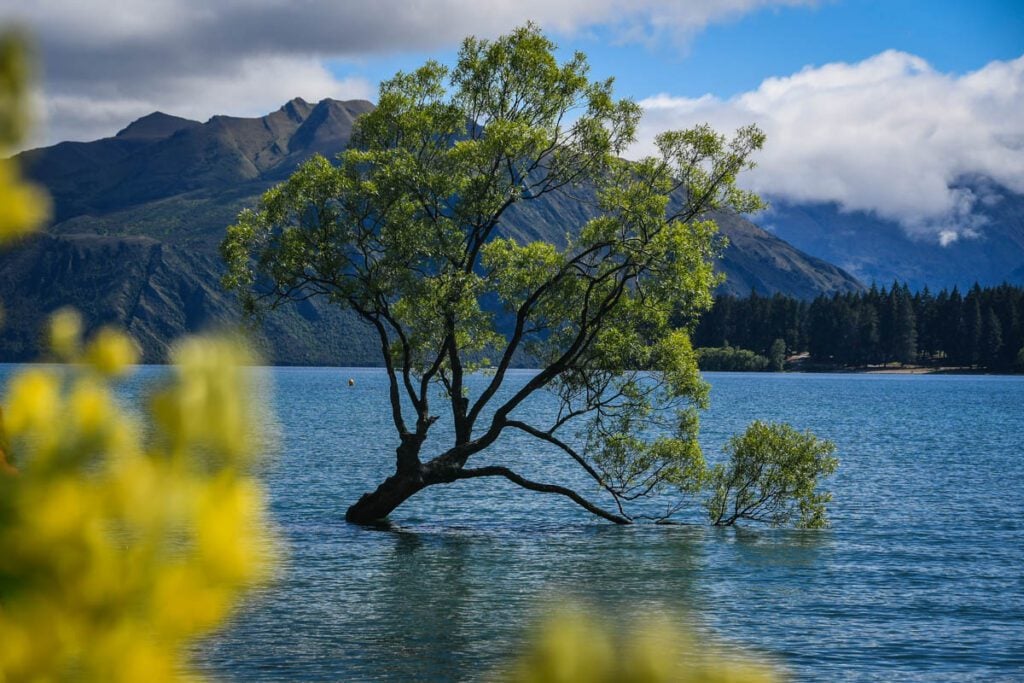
{"x": 920, "y": 577}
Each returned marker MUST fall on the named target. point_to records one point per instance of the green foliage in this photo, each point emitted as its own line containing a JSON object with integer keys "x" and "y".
{"x": 777, "y": 355}
{"x": 904, "y": 327}
{"x": 731, "y": 359}
{"x": 772, "y": 477}
{"x": 991, "y": 339}
{"x": 406, "y": 231}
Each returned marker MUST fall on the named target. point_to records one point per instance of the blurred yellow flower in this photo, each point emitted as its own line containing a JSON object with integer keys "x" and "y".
{"x": 33, "y": 402}
{"x": 26, "y": 207}
{"x": 91, "y": 407}
{"x": 65, "y": 333}
{"x": 117, "y": 551}
{"x": 111, "y": 352}
{"x": 200, "y": 413}
{"x": 574, "y": 645}
{"x": 23, "y": 206}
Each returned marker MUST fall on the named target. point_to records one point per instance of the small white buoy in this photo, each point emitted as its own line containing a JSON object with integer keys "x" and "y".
{"x": 351, "y": 382}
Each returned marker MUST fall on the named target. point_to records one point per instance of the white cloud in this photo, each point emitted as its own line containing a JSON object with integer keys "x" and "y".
{"x": 353, "y": 27}
{"x": 888, "y": 134}
{"x": 104, "y": 59}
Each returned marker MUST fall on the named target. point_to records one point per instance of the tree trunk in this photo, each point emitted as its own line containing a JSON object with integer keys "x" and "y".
{"x": 413, "y": 476}
{"x": 396, "y": 489}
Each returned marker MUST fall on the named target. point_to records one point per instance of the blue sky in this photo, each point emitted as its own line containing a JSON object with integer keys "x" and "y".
{"x": 736, "y": 55}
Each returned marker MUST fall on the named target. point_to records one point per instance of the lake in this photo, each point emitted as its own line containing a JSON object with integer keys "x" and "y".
{"x": 919, "y": 578}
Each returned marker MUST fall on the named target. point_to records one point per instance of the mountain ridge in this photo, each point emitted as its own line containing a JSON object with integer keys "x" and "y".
{"x": 155, "y": 126}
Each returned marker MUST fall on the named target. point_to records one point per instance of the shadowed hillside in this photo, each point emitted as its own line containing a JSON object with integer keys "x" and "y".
{"x": 158, "y": 292}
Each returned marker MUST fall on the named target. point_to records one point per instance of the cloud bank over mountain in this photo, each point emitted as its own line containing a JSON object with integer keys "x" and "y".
{"x": 107, "y": 62}
{"x": 889, "y": 135}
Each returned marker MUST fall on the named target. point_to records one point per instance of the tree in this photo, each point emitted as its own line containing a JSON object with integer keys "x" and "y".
{"x": 777, "y": 355}
{"x": 731, "y": 359}
{"x": 973, "y": 321}
{"x": 821, "y": 329}
{"x": 924, "y": 312}
{"x": 772, "y": 477}
{"x": 991, "y": 339}
{"x": 407, "y": 232}
{"x": 904, "y": 330}
{"x": 955, "y": 332}
{"x": 867, "y": 333}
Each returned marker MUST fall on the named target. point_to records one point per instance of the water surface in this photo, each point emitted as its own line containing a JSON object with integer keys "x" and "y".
{"x": 918, "y": 579}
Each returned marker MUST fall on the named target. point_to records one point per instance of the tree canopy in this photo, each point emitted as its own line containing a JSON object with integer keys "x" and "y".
{"x": 407, "y": 230}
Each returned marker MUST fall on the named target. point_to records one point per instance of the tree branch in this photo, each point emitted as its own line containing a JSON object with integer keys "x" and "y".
{"x": 394, "y": 392}
{"x": 498, "y": 471}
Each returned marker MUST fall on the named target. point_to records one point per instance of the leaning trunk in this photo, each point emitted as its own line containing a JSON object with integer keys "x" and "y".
{"x": 375, "y": 506}
{"x": 396, "y": 489}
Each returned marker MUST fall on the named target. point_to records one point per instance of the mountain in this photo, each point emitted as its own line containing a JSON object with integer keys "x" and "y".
{"x": 157, "y": 291}
{"x": 876, "y": 249}
{"x": 138, "y": 218}
{"x": 97, "y": 179}
{"x": 155, "y": 126}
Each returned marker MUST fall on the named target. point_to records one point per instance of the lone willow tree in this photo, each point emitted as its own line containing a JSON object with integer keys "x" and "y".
{"x": 409, "y": 230}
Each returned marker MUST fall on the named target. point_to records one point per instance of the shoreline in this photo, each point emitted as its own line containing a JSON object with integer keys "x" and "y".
{"x": 795, "y": 369}
{"x": 898, "y": 370}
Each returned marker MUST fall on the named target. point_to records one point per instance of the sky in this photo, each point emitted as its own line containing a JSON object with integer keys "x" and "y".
{"x": 874, "y": 105}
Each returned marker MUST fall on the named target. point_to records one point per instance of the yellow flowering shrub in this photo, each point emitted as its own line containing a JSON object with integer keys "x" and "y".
{"x": 23, "y": 206}
{"x": 120, "y": 543}
{"x": 574, "y": 645}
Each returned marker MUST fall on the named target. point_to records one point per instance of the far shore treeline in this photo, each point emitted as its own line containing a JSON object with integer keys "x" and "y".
{"x": 981, "y": 329}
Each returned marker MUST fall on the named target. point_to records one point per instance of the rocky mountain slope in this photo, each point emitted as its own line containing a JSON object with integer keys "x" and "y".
{"x": 138, "y": 218}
